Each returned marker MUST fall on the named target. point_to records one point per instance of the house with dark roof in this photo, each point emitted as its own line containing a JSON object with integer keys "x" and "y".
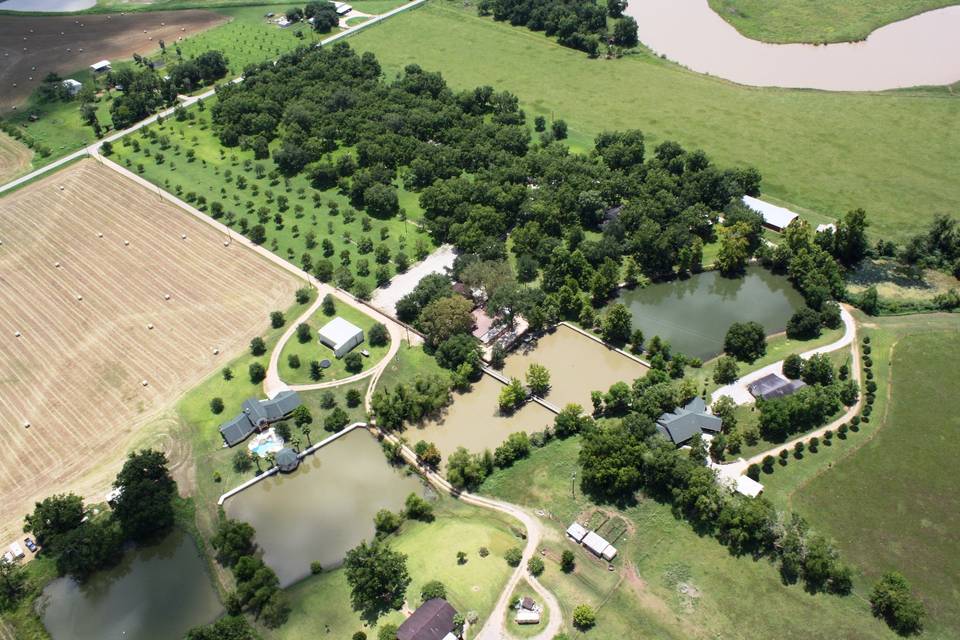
{"x": 258, "y": 414}
{"x": 681, "y": 424}
{"x": 433, "y": 620}
{"x": 772, "y": 386}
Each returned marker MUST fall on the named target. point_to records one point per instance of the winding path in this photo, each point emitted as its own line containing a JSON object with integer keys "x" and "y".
{"x": 738, "y": 391}
{"x": 921, "y": 50}
{"x": 494, "y": 627}
{"x": 739, "y": 467}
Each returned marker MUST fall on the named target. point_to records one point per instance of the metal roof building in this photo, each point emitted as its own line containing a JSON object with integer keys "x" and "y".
{"x": 772, "y": 386}
{"x": 102, "y": 65}
{"x": 687, "y": 421}
{"x": 577, "y": 532}
{"x": 777, "y": 218}
{"x": 341, "y": 336}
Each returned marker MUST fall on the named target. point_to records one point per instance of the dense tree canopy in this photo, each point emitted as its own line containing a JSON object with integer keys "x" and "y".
{"x": 377, "y": 576}
{"x": 144, "y": 508}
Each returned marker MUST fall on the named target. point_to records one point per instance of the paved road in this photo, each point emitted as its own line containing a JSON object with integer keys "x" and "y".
{"x": 738, "y": 389}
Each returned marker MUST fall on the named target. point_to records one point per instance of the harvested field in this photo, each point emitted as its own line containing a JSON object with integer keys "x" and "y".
{"x": 14, "y": 158}
{"x": 75, "y": 372}
{"x": 34, "y": 46}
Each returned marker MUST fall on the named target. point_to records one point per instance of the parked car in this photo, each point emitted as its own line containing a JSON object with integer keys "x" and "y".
{"x": 30, "y": 545}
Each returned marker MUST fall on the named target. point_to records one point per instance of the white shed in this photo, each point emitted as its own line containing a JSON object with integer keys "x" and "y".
{"x": 525, "y": 616}
{"x": 777, "y": 218}
{"x": 748, "y": 487}
{"x": 823, "y": 227}
{"x": 577, "y": 532}
{"x": 609, "y": 553}
{"x": 101, "y": 66}
{"x": 595, "y": 543}
{"x": 341, "y": 336}
{"x": 73, "y": 87}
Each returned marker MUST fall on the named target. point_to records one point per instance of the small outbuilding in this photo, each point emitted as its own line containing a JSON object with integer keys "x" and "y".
{"x": 287, "y": 460}
{"x": 73, "y": 87}
{"x": 341, "y": 336}
{"x": 748, "y": 486}
{"x": 527, "y": 616}
{"x": 774, "y": 217}
{"x": 16, "y": 550}
{"x": 101, "y": 66}
{"x": 433, "y": 620}
{"x": 577, "y": 532}
{"x": 598, "y": 546}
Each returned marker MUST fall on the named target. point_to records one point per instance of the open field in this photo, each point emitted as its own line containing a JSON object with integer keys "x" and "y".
{"x": 668, "y": 581}
{"x": 900, "y": 174}
{"x": 323, "y": 602}
{"x": 75, "y": 373}
{"x": 34, "y": 46}
{"x": 314, "y": 350}
{"x": 817, "y": 21}
{"x": 14, "y": 158}
{"x": 215, "y": 173}
{"x": 893, "y": 503}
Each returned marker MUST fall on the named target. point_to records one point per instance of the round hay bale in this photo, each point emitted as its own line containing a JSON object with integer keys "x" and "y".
{"x": 166, "y": 296}
{"x": 150, "y": 326}
{"x": 26, "y": 424}
{"x": 216, "y": 351}
{"x": 126, "y": 243}
{"x": 16, "y": 334}
{"x": 56, "y": 264}
{"x": 79, "y": 297}
{"x": 99, "y": 235}
{"x": 143, "y": 382}
{"x": 183, "y": 236}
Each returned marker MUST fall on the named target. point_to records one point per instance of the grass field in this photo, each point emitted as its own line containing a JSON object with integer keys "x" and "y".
{"x": 893, "y": 503}
{"x": 669, "y": 582}
{"x": 900, "y": 174}
{"x": 313, "y": 350}
{"x": 321, "y": 604}
{"x": 817, "y": 20}
{"x": 214, "y": 174}
{"x": 75, "y": 374}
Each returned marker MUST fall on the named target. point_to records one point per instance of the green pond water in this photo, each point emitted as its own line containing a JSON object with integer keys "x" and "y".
{"x": 693, "y": 315}
{"x": 325, "y": 507}
{"x": 155, "y": 593}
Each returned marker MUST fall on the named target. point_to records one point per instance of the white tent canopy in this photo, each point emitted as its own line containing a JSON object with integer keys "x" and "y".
{"x": 341, "y": 336}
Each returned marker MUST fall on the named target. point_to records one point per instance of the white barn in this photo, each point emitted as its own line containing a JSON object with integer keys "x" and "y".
{"x": 101, "y": 66}
{"x": 341, "y": 336}
{"x": 774, "y": 217}
{"x": 599, "y": 546}
{"x": 577, "y": 532}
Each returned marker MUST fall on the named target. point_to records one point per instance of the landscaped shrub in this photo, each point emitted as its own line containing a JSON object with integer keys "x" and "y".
{"x": 354, "y": 397}
{"x": 216, "y": 405}
{"x": 293, "y": 361}
{"x": 257, "y": 346}
{"x": 535, "y": 566}
{"x": 842, "y": 431}
{"x": 353, "y": 362}
{"x": 257, "y": 372}
{"x": 753, "y": 471}
{"x": 513, "y": 556}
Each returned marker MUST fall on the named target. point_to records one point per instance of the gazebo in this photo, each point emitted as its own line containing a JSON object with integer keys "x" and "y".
{"x": 287, "y": 460}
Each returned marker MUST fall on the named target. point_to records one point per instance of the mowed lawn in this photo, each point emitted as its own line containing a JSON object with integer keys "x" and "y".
{"x": 894, "y": 154}
{"x": 668, "y": 581}
{"x": 312, "y": 349}
{"x": 321, "y": 604}
{"x": 817, "y": 20}
{"x": 215, "y": 173}
{"x": 894, "y": 503}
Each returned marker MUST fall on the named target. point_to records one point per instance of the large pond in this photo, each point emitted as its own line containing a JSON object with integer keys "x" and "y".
{"x": 474, "y": 421}
{"x": 325, "y": 507}
{"x": 577, "y": 365}
{"x": 155, "y": 593}
{"x": 922, "y": 50}
{"x": 46, "y": 5}
{"x": 693, "y": 315}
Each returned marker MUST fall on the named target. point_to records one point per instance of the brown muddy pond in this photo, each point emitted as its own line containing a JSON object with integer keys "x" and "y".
{"x": 474, "y": 421}
{"x": 325, "y": 507}
{"x": 922, "y": 50}
{"x": 577, "y": 366}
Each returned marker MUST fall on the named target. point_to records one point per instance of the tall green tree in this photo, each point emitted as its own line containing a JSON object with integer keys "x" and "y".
{"x": 377, "y": 576}
{"x": 53, "y": 517}
{"x": 144, "y": 508}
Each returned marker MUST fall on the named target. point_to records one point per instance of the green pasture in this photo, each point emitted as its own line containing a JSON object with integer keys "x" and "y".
{"x": 817, "y": 21}
{"x": 894, "y": 153}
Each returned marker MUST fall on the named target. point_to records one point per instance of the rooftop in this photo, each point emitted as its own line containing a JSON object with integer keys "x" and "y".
{"x": 433, "y": 620}
{"x": 773, "y": 215}
{"x": 772, "y": 386}
{"x": 685, "y": 422}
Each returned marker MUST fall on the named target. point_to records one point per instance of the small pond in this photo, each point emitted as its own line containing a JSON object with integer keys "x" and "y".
{"x": 46, "y": 5}
{"x": 325, "y": 507}
{"x": 155, "y": 593}
{"x": 577, "y": 366}
{"x": 693, "y": 315}
{"x": 474, "y": 421}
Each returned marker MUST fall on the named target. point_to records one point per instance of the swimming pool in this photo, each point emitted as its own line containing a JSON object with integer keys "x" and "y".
{"x": 266, "y": 443}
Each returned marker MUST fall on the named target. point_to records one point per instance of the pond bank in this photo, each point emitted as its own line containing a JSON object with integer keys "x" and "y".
{"x": 918, "y": 51}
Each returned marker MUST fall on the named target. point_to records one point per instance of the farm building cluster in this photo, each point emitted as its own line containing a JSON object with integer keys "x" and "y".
{"x": 593, "y": 541}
